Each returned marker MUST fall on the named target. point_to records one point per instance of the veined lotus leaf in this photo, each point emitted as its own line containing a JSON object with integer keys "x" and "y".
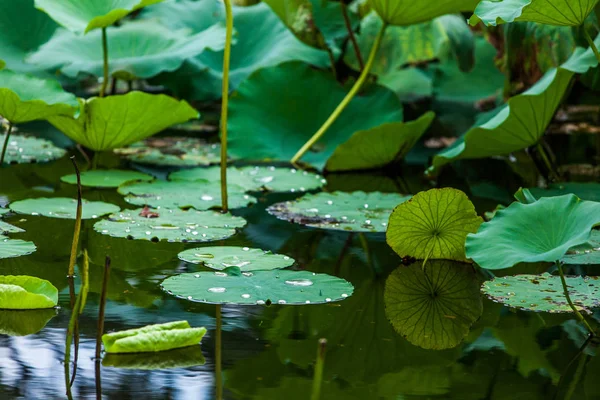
{"x": 275, "y": 105}
{"x": 172, "y": 151}
{"x": 8, "y": 228}
{"x": 588, "y": 253}
{"x": 379, "y": 146}
{"x": 116, "y": 121}
{"x": 137, "y": 50}
{"x": 62, "y": 207}
{"x": 433, "y": 225}
{"x": 550, "y": 12}
{"x": 83, "y": 16}
{"x": 256, "y": 178}
{"x": 153, "y": 338}
{"x": 14, "y": 247}
{"x": 172, "y": 225}
{"x": 245, "y": 258}
{"x": 106, "y": 178}
{"x": 186, "y": 357}
{"x": 258, "y": 287}
{"x": 540, "y": 231}
{"x": 201, "y": 195}
{"x": 21, "y": 292}
{"x": 353, "y": 212}
{"x": 407, "y": 12}
{"x": 25, "y": 98}
{"x": 433, "y": 307}
{"x": 23, "y": 323}
{"x": 544, "y": 292}
{"x": 28, "y": 149}
{"x": 585, "y": 191}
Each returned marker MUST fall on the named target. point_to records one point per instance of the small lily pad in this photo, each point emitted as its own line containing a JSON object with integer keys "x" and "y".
{"x": 172, "y": 151}
{"x": 8, "y": 228}
{"x": 14, "y": 247}
{"x": 544, "y": 292}
{"x": 23, "y": 323}
{"x": 245, "y": 258}
{"x": 354, "y": 212}
{"x": 259, "y": 287}
{"x": 27, "y": 149}
{"x": 172, "y": 225}
{"x": 21, "y": 292}
{"x": 107, "y": 179}
{"x": 588, "y": 253}
{"x": 186, "y": 357}
{"x": 62, "y": 207}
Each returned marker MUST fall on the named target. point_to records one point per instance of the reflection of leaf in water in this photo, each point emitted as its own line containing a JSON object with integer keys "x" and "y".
{"x": 43, "y": 267}
{"x": 23, "y": 323}
{"x": 119, "y": 289}
{"x": 179, "y": 358}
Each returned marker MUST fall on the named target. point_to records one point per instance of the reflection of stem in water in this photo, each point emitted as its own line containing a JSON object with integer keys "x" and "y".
{"x": 318, "y": 376}
{"x": 98, "y": 377}
{"x": 338, "y": 263}
{"x": 365, "y": 246}
{"x": 72, "y": 302}
{"x": 218, "y": 359}
{"x": 577, "y": 373}
{"x": 576, "y": 377}
{"x": 5, "y": 145}
{"x": 77, "y": 230}
{"x": 566, "y": 292}
{"x": 102, "y": 307}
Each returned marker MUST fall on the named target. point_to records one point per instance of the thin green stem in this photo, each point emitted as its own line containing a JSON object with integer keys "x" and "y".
{"x": 318, "y": 376}
{"x": 218, "y": 355}
{"x": 105, "y": 63}
{"x": 591, "y": 43}
{"x": 344, "y": 103}
{"x": 225, "y": 102}
{"x": 75, "y": 243}
{"x": 546, "y": 159}
{"x": 566, "y": 292}
{"x": 100, "y": 330}
{"x": 5, "y": 145}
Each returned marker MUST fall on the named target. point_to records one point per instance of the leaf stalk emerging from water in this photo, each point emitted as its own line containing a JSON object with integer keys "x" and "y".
{"x": 318, "y": 376}
{"x": 225, "y": 102}
{"x": 100, "y": 330}
{"x": 5, "y": 145}
{"x": 77, "y": 230}
{"x": 105, "y": 62}
{"x": 580, "y": 317}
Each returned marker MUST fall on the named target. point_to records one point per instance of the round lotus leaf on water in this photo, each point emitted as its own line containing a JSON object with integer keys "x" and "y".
{"x": 8, "y": 228}
{"x": 245, "y": 258}
{"x": 354, "y": 212}
{"x": 433, "y": 225}
{"x": 257, "y": 178}
{"x": 433, "y": 307}
{"x": 27, "y": 149}
{"x": 232, "y": 286}
{"x": 201, "y": 195}
{"x": 172, "y": 151}
{"x": 106, "y": 179}
{"x": 15, "y": 248}
{"x": 23, "y": 323}
{"x": 544, "y": 292}
{"x": 588, "y": 253}
{"x": 172, "y": 225}
{"x": 62, "y": 207}
{"x": 21, "y": 292}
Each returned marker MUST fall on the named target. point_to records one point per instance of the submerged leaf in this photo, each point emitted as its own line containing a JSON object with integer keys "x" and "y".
{"x": 62, "y": 207}
{"x": 106, "y": 178}
{"x": 28, "y": 149}
{"x": 186, "y": 357}
{"x": 23, "y": 323}
{"x": 172, "y": 151}
{"x": 245, "y": 258}
{"x": 15, "y": 248}
{"x": 20, "y": 292}
{"x": 408, "y": 12}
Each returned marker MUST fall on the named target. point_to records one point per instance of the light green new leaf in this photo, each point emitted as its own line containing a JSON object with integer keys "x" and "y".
{"x": 62, "y": 207}
{"x": 23, "y": 323}
{"x": 28, "y": 149}
{"x": 172, "y": 151}
{"x": 116, "y": 121}
{"x": 111, "y": 178}
{"x": 20, "y": 292}
{"x": 409, "y": 12}
{"x": 245, "y": 258}
{"x": 588, "y": 253}
{"x": 14, "y": 247}
{"x": 185, "y": 357}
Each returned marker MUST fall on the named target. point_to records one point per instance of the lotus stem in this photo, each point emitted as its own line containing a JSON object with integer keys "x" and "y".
{"x": 344, "y": 103}
{"x": 351, "y": 35}
{"x": 568, "y": 297}
{"x": 318, "y": 376}
{"x": 580, "y": 353}
{"x": 102, "y": 307}
{"x": 75, "y": 243}
{"x": 218, "y": 355}
{"x": 225, "y": 102}
{"x": 591, "y": 43}
{"x": 331, "y": 61}
{"x": 105, "y": 63}
{"x": 546, "y": 159}
{"x": 5, "y": 145}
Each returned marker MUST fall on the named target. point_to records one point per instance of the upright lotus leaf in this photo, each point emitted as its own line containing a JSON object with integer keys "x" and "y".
{"x": 172, "y": 151}
{"x": 62, "y": 207}
{"x": 433, "y": 307}
{"x": 185, "y": 357}
{"x": 23, "y": 323}
{"x": 408, "y": 12}
{"x": 116, "y": 121}
{"x": 588, "y": 253}
{"x": 153, "y": 338}
{"x": 541, "y": 231}
{"x": 83, "y": 16}
{"x": 583, "y": 190}
{"x": 14, "y": 247}
{"x": 111, "y": 178}
{"x": 432, "y": 225}
{"x": 28, "y": 149}
{"x": 379, "y": 146}
{"x": 282, "y": 115}
{"x": 20, "y": 292}
{"x": 245, "y": 258}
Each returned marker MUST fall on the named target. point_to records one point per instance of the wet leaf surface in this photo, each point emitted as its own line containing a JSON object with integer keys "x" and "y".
{"x": 172, "y": 151}
{"x": 111, "y": 178}
{"x": 245, "y": 258}
{"x": 21, "y": 292}
{"x": 62, "y": 207}
{"x": 15, "y": 247}
{"x": 27, "y": 149}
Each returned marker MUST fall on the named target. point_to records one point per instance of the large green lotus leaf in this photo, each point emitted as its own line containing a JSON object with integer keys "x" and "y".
{"x": 28, "y": 149}
{"x": 433, "y": 224}
{"x": 256, "y": 178}
{"x": 201, "y": 195}
{"x": 379, "y": 146}
{"x": 83, "y": 16}
{"x": 588, "y": 253}
{"x": 186, "y": 357}
{"x": 433, "y": 307}
{"x": 153, "y": 338}
{"x": 21, "y": 292}
{"x": 137, "y": 50}
{"x": 116, "y": 121}
{"x": 8, "y": 228}
{"x": 541, "y": 231}
{"x": 173, "y": 151}
{"x": 172, "y": 225}
{"x": 245, "y": 258}
{"x": 282, "y": 115}
{"x": 62, "y": 207}
{"x": 551, "y": 12}
{"x": 14, "y": 247}
{"x": 544, "y": 292}
{"x": 585, "y": 191}
{"x": 354, "y": 212}
{"x": 106, "y": 178}
{"x": 23, "y": 323}
{"x": 258, "y": 287}
{"x": 25, "y": 98}
{"x": 408, "y": 12}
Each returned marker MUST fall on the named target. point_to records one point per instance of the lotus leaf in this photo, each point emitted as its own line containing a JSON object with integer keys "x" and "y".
{"x": 15, "y": 248}
{"x": 186, "y": 357}
{"x": 23, "y": 323}
{"x": 27, "y": 149}
{"x": 8, "y": 228}
{"x": 172, "y": 225}
{"x": 62, "y": 207}
{"x": 407, "y": 12}
{"x": 116, "y": 121}
{"x": 544, "y": 292}
{"x": 585, "y": 191}
{"x": 106, "y": 178}
{"x": 588, "y": 253}
{"x": 21, "y": 292}
{"x": 4, "y": 211}
{"x": 153, "y": 338}
{"x": 433, "y": 307}
{"x": 433, "y": 224}
{"x": 545, "y": 229}
{"x": 245, "y": 258}
{"x": 354, "y": 212}
{"x": 172, "y": 151}
{"x": 258, "y": 287}
{"x": 257, "y": 178}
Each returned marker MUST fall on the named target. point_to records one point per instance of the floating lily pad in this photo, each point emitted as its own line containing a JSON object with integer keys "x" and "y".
{"x": 8, "y": 228}
{"x": 21, "y": 292}
{"x": 201, "y": 195}
{"x": 186, "y": 357}
{"x": 257, "y": 178}
{"x": 406, "y": 12}
{"x": 245, "y": 258}
{"x": 62, "y": 207}
{"x": 15, "y": 248}
{"x": 107, "y": 178}
{"x": 433, "y": 307}
{"x": 259, "y": 287}
{"x": 355, "y": 212}
{"x": 433, "y": 224}
{"x": 153, "y": 338}
{"x": 588, "y": 253}
{"x": 23, "y": 323}
{"x": 173, "y": 151}
{"x": 4, "y": 211}
{"x": 172, "y": 225}
{"x": 544, "y": 292}
{"x": 27, "y": 149}
{"x": 585, "y": 191}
